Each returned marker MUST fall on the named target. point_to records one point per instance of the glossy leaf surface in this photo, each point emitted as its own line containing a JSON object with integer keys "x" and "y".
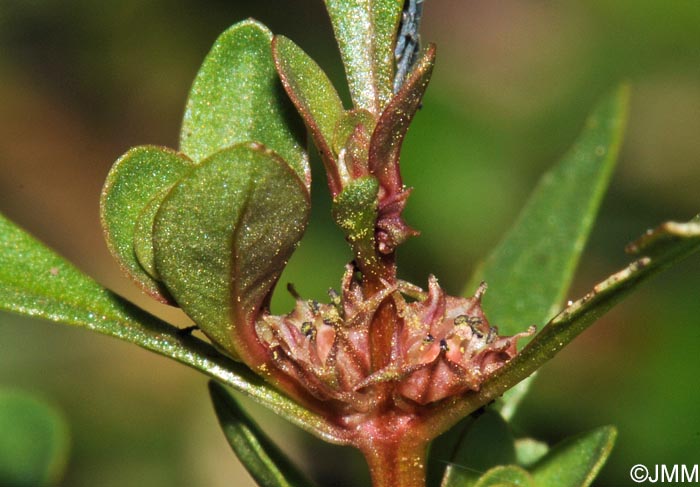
{"x": 392, "y": 126}
{"x": 576, "y": 461}
{"x": 366, "y": 33}
{"x": 530, "y": 271}
{"x": 34, "y": 281}
{"x": 34, "y": 441}
{"x": 666, "y": 245}
{"x": 222, "y": 237}
{"x": 237, "y": 97}
{"x": 486, "y": 443}
{"x": 134, "y": 180}
{"x": 311, "y": 92}
{"x": 263, "y": 459}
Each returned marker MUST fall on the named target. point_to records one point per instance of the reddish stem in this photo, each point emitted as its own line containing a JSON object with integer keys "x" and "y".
{"x": 395, "y": 459}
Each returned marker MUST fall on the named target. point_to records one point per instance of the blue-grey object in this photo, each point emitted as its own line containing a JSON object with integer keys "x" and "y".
{"x": 407, "y": 41}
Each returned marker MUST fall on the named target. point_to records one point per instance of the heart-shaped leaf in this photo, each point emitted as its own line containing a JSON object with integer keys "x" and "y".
{"x": 134, "y": 180}
{"x": 576, "y": 461}
{"x": 263, "y": 459}
{"x": 508, "y": 476}
{"x": 486, "y": 443}
{"x": 34, "y": 441}
{"x": 237, "y": 97}
{"x": 222, "y": 237}
{"x": 34, "y": 281}
{"x": 387, "y": 139}
{"x": 314, "y": 96}
{"x": 366, "y": 33}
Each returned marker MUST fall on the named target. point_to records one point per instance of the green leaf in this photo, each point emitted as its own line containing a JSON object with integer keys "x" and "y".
{"x": 366, "y": 33}
{"x": 222, "y": 237}
{"x": 576, "y": 461}
{"x": 313, "y": 95}
{"x": 134, "y": 180}
{"x": 355, "y": 212}
{"x": 668, "y": 244}
{"x": 34, "y": 442}
{"x": 508, "y": 476}
{"x": 237, "y": 97}
{"x": 487, "y": 443}
{"x": 34, "y": 281}
{"x": 263, "y": 459}
{"x": 530, "y": 271}
{"x": 392, "y": 126}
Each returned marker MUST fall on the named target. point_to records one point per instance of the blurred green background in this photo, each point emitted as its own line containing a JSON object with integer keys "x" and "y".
{"x": 81, "y": 81}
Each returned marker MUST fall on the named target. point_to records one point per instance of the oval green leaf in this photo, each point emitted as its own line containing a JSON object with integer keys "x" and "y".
{"x": 34, "y": 281}
{"x": 34, "y": 441}
{"x": 222, "y": 237}
{"x": 314, "y": 96}
{"x": 134, "y": 180}
{"x": 263, "y": 459}
{"x": 237, "y": 97}
{"x": 366, "y": 33}
{"x": 576, "y": 461}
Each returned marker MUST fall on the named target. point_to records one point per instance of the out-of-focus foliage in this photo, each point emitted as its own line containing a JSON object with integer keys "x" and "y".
{"x": 81, "y": 81}
{"x": 34, "y": 441}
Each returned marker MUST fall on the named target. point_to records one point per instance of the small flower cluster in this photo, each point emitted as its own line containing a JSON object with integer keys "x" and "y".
{"x": 443, "y": 346}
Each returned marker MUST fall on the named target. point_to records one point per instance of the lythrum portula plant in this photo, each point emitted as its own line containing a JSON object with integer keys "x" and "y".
{"x": 384, "y": 365}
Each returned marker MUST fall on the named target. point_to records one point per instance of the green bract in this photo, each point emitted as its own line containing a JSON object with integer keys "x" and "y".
{"x": 237, "y": 97}
{"x": 137, "y": 180}
{"x": 223, "y": 235}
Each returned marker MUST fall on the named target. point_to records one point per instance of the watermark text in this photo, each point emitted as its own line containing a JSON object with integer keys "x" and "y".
{"x": 665, "y": 474}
